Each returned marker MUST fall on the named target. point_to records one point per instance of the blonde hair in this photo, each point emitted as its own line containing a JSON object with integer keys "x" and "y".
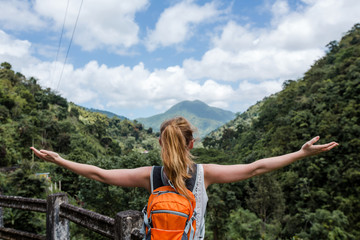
{"x": 176, "y": 135}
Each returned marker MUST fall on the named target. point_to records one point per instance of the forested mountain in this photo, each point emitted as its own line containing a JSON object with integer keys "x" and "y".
{"x": 202, "y": 116}
{"x": 32, "y": 116}
{"x": 315, "y": 198}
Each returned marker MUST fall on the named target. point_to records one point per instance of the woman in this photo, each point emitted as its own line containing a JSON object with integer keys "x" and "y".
{"x": 176, "y": 140}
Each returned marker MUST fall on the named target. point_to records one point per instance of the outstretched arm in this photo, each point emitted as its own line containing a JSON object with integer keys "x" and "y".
{"x": 138, "y": 177}
{"x": 232, "y": 173}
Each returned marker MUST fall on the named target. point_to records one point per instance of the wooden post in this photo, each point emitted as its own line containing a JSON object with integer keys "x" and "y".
{"x": 56, "y": 228}
{"x": 1, "y": 215}
{"x": 128, "y": 225}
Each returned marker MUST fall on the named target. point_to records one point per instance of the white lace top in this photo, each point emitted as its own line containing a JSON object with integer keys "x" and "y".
{"x": 201, "y": 202}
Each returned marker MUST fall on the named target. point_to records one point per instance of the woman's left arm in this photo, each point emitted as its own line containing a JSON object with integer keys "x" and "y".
{"x": 232, "y": 173}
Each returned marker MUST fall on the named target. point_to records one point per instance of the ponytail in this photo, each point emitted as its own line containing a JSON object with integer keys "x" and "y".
{"x": 176, "y": 136}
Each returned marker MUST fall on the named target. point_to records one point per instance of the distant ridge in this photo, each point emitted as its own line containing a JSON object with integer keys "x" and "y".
{"x": 201, "y": 115}
{"x": 107, "y": 113}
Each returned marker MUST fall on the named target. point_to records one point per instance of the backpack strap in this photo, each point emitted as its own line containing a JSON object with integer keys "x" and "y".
{"x": 190, "y": 182}
{"x": 156, "y": 178}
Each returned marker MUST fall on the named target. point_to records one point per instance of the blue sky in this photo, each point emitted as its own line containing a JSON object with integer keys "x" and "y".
{"x": 138, "y": 58}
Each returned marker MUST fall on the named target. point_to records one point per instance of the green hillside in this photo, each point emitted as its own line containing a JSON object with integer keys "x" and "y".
{"x": 32, "y": 116}
{"x": 202, "y": 116}
{"x": 315, "y": 198}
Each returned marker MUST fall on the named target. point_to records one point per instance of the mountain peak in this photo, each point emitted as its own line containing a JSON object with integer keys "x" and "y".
{"x": 202, "y": 110}
{"x": 201, "y": 115}
{"x": 188, "y": 103}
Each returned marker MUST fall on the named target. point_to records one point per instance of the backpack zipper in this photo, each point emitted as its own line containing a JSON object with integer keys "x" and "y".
{"x": 171, "y": 212}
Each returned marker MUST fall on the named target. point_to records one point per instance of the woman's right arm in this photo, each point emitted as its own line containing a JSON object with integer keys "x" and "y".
{"x": 137, "y": 177}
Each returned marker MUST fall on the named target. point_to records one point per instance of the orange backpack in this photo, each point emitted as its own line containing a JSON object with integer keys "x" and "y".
{"x": 169, "y": 214}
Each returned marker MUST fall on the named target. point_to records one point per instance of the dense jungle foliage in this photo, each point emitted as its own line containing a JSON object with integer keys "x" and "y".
{"x": 315, "y": 198}
{"x": 32, "y": 116}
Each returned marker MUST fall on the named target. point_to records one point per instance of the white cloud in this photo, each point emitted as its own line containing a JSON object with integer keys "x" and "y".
{"x": 13, "y": 47}
{"x": 176, "y": 23}
{"x": 19, "y": 15}
{"x": 248, "y": 93}
{"x": 279, "y": 9}
{"x": 259, "y": 64}
{"x": 122, "y": 86}
{"x": 248, "y": 90}
{"x": 16, "y": 52}
{"x": 286, "y": 50}
{"x": 107, "y": 24}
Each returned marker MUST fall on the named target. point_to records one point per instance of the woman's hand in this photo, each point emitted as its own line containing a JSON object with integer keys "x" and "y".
{"x": 309, "y": 149}
{"x": 48, "y": 156}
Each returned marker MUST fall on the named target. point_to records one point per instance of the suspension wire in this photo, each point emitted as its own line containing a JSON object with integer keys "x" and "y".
{"x": 68, "y": 50}
{"x": 58, "y": 50}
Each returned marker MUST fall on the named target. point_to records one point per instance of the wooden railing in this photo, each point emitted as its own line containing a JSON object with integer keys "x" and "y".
{"x": 125, "y": 226}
